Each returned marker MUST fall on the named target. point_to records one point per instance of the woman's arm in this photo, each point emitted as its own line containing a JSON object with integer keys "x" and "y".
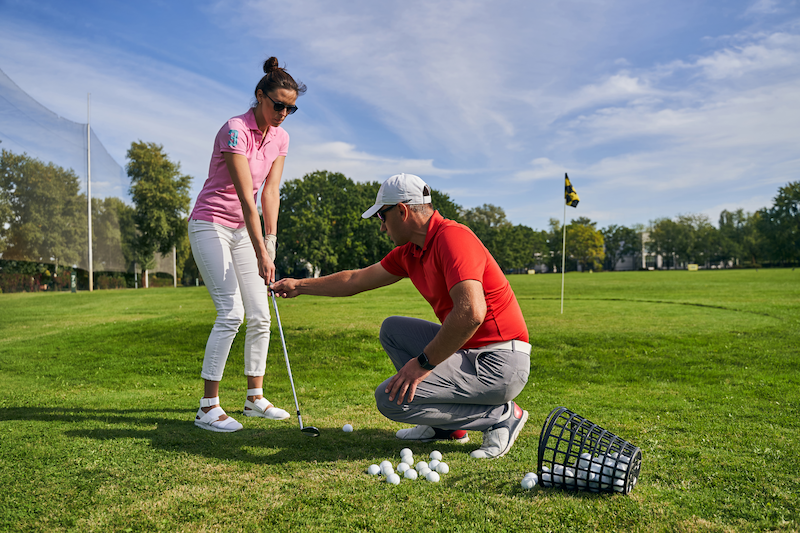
{"x": 239, "y": 169}
{"x": 271, "y": 197}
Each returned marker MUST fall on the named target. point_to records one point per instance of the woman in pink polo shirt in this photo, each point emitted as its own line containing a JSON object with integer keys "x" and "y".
{"x": 235, "y": 260}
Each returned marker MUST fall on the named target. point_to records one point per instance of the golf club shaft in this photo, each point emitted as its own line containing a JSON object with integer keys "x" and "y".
{"x": 286, "y": 356}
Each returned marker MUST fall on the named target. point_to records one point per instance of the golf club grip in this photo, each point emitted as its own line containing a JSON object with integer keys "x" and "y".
{"x": 286, "y": 357}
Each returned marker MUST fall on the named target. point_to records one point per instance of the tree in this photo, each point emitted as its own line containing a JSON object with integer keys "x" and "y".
{"x": 620, "y": 241}
{"x": 585, "y": 243}
{"x": 700, "y": 238}
{"x": 43, "y": 214}
{"x": 669, "y": 239}
{"x": 320, "y": 223}
{"x": 491, "y": 226}
{"x": 780, "y": 224}
{"x": 107, "y": 239}
{"x": 445, "y": 205}
{"x": 161, "y": 196}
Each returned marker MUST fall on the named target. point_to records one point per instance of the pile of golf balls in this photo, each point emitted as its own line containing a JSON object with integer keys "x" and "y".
{"x": 430, "y": 471}
{"x": 590, "y": 472}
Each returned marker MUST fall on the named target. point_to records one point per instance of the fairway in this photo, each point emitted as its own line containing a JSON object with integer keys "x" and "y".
{"x": 701, "y": 370}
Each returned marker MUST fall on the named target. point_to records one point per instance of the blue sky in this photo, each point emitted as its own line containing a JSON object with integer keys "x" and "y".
{"x": 654, "y": 108}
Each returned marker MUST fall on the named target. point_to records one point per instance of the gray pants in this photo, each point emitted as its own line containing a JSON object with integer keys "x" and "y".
{"x": 470, "y": 390}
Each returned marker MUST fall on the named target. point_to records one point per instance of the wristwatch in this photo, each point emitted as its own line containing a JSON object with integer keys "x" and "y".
{"x": 424, "y": 363}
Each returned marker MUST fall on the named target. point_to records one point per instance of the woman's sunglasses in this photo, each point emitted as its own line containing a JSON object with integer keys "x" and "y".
{"x": 280, "y": 106}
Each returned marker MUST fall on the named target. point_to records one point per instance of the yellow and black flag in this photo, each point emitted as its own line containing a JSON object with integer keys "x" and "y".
{"x": 569, "y": 193}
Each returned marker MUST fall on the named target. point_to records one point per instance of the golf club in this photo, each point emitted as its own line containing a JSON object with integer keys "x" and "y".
{"x": 309, "y": 431}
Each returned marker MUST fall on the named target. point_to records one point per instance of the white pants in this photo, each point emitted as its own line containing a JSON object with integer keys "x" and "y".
{"x": 227, "y": 261}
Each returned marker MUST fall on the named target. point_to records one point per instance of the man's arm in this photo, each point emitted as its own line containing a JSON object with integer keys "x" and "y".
{"x": 345, "y": 283}
{"x": 469, "y": 310}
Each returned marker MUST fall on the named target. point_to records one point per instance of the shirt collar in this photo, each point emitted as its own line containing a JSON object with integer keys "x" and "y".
{"x": 250, "y": 121}
{"x": 433, "y": 226}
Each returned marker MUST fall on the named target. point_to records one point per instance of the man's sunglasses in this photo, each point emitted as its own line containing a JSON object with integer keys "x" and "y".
{"x": 280, "y": 106}
{"x": 382, "y": 213}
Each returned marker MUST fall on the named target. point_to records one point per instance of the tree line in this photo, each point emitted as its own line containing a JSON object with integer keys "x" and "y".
{"x": 321, "y": 231}
{"x": 43, "y": 226}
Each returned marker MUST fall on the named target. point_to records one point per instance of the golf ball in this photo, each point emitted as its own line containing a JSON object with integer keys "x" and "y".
{"x": 407, "y": 460}
{"x": 425, "y": 471}
{"x": 442, "y": 468}
{"x": 421, "y": 465}
{"x": 546, "y": 476}
{"x": 410, "y": 474}
{"x": 528, "y": 483}
{"x": 433, "y": 477}
{"x": 432, "y": 464}
{"x": 585, "y": 460}
{"x": 406, "y": 451}
{"x": 402, "y": 467}
{"x": 436, "y": 455}
{"x": 373, "y": 470}
{"x": 347, "y": 428}
{"x": 393, "y": 478}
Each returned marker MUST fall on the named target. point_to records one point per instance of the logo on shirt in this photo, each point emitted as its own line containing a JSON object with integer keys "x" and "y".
{"x": 234, "y": 140}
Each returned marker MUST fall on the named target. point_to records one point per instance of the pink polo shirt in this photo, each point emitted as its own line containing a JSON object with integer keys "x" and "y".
{"x": 218, "y": 201}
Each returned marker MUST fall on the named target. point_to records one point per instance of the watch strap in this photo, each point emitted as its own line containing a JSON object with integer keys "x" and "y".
{"x": 424, "y": 362}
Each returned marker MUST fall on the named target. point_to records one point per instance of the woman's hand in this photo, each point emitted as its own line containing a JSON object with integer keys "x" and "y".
{"x": 266, "y": 269}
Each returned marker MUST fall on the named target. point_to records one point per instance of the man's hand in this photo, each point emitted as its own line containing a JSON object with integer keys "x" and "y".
{"x": 406, "y": 380}
{"x": 285, "y": 288}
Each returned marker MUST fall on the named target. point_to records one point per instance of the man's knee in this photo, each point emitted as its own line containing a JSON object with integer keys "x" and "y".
{"x": 385, "y": 407}
{"x": 388, "y": 328}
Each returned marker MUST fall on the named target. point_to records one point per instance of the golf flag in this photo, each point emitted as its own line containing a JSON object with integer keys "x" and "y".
{"x": 569, "y": 193}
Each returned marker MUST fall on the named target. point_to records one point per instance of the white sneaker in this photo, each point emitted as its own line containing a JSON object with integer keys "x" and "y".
{"x": 498, "y": 439}
{"x": 427, "y": 434}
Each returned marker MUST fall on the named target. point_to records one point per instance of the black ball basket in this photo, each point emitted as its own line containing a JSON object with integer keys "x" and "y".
{"x": 576, "y": 454}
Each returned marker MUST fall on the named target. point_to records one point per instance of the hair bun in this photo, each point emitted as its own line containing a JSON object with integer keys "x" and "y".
{"x": 270, "y": 65}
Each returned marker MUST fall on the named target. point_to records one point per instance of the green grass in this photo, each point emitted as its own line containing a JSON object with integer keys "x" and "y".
{"x": 701, "y": 370}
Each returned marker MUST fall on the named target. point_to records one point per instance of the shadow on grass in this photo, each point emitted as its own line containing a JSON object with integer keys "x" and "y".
{"x": 260, "y": 442}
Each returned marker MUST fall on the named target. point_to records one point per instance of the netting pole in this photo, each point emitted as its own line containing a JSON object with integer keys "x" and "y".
{"x": 174, "y": 267}
{"x": 89, "y": 182}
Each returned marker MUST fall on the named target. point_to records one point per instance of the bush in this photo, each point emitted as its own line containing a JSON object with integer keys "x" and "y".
{"x": 111, "y": 282}
{"x": 19, "y": 282}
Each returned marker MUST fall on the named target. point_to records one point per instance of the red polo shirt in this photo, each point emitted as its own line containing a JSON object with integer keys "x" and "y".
{"x": 451, "y": 254}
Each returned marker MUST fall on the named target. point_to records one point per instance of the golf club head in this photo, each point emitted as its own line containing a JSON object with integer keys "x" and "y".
{"x": 310, "y": 431}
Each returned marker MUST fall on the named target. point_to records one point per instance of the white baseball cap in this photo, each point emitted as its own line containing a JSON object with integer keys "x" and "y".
{"x": 400, "y": 188}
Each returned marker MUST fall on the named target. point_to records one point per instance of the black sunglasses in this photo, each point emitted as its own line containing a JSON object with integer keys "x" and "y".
{"x": 280, "y": 106}
{"x": 381, "y": 214}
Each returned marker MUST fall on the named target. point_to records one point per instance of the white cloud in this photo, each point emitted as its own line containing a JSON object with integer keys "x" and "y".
{"x": 763, "y": 7}
{"x": 540, "y": 168}
{"x": 776, "y": 52}
{"x": 507, "y": 94}
{"x": 345, "y": 158}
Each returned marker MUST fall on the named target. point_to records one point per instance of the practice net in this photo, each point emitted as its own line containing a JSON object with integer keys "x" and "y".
{"x": 43, "y": 191}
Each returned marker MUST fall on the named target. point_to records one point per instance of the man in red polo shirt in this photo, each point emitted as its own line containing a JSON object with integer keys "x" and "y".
{"x": 463, "y": 374}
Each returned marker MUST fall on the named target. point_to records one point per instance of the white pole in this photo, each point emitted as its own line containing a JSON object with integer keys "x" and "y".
{"x": 89, "y": 183}
{"x": 563, "y": 256}
{"x": 174, "y": 267}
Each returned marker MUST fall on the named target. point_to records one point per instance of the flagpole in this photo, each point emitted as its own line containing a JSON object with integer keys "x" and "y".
{"x": 563, "y": 256}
